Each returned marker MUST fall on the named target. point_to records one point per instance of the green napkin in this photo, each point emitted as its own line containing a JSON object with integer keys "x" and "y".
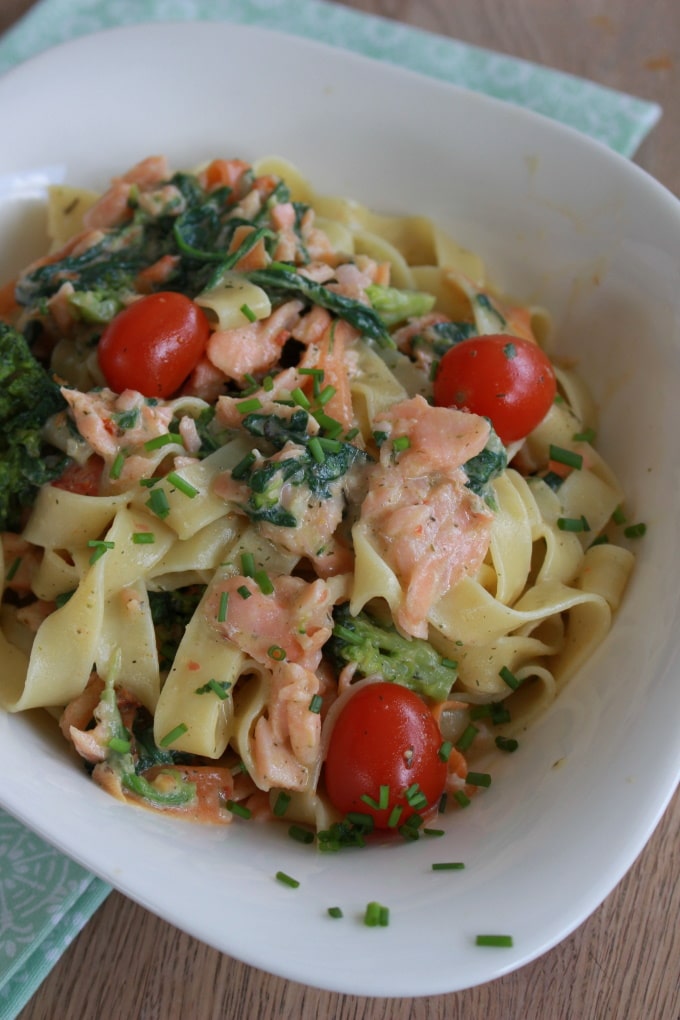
{"x": 45, "y": 899}
{"x": 619, "y": 120}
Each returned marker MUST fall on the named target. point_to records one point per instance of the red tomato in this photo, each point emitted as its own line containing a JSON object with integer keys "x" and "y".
{"x": 153, "y": 344}
{"x": 385, "y": 736}
{"x": 502, "y": 377}
{"x": 83, "y": 479}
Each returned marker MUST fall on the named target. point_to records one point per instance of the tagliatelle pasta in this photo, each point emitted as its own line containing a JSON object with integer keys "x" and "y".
{"x": 198, "y": 580}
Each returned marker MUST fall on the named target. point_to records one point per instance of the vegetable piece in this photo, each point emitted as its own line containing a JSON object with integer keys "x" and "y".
{"x": 28, "y": 397}
{"x": 504, "y": 378}
{"x": 394, "y": 305}
{"x": 385, "y": 736}
{"x": 411, "y": 662}
{"x": 285, "y": 281}
{"x": 153, "y": 344}
{"x": 267, "y": 477}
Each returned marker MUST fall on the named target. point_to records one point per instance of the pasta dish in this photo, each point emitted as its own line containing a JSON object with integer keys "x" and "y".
{"x": 300, "y": 519}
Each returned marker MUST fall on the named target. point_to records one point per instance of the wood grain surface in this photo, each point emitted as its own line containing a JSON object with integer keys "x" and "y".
{"x": 623, "y": 962}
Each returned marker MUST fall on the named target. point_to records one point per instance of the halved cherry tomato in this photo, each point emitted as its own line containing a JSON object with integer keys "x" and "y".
{"x": 502, "y": 377}
{"x": 153, "y": 344}
{"x": 385, "y": 737}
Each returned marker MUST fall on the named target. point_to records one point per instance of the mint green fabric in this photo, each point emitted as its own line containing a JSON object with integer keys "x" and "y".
{"x": 45, "y": 899}
{"x": 619, "y": 120}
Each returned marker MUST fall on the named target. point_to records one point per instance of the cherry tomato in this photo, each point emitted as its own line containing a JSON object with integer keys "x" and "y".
{"x": 502, "y": 377}
{"x": 385, "y": 736}
{"x": 153, "y": 344}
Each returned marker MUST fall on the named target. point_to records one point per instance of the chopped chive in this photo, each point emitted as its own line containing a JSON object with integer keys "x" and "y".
{"x": 600, "y": 540}
{"x": 62, "y": 599}
{"x": 244, "y": 592}
{"x": 409, "y": 830}
{"x": 329, "y": 445}
{"x": 506, "y": 744}
{"x": 415, "y": 797}
{"x": 268, "y": 384}
{"x": 143, "y": 537}
{"x": 11, "y": 573}
{"x": 300, "y": 398}
{"x": 174, "y": 735}
{"x": 263, "y": 581}
{"x": 443, "y": 802}
{"x": 618, "y": 516}
{"x": 249, "y": 314}
{"x": 383, "y": 799}
{"x": 501, "y": 941}
{"x": 395, "y": 814}
{"x": 241, "y": 469}
{"x": 300, "y": 834}
{"x": 352, "y": 434}
{"x": 379, "y": 437}
{"x": 314, "y": 373}
{"x": 277, "y": 653}
{"x": 568, "y": 457}
{"x": 360, "y": 820}
{"x": 509, "y": 678}
{"x": 148, "y": 483}
{"x": 247, "y": 564}
{"x": 182, "y": 484}
{"x": 285, "y": 879}
{"x": 248, "y": 406}
{"x": 466, "y": 738}
{"x": 331, "y": 426}
{"x": 334, "y": 912}
{"x": 495, "y": 710}
{"x": 158, "y": 503}
{"x": 222, "y": 610}
{"x": 444, "y": 752}
{"x": 573, "y": 524}
{"x": 281, "y": 804}
{"x": 238, "y": 809}
{"x": 167, "y": 439}
{"x": 116, "y": 468}
{"x": 326, "y": 394}
{"x": 220, "y": 689}
{"x": 461, "y": 798}
{"x": 316, "y": 450}
{"x": 401, "y": 443}
{"x": 100, "y": 547}
{"x": 252, "y": 384}
{"x": 587, "y": 436}
{"x": 119, "y": 745}
{"x": 448, "y": 866}
{"x": 433, "y": 832}
{"x": 376, "y": 915}
{"x": 449, "y": 663}
{"x": 478, "y": 779}
{"x": 315, "y": 704}
{"x": 635, "y": 530}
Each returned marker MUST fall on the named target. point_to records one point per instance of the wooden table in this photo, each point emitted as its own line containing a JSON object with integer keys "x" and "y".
{"x": 622, "y": 963}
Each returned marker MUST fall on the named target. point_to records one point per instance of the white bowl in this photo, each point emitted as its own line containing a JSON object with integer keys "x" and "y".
{"x": 558, "y": 218}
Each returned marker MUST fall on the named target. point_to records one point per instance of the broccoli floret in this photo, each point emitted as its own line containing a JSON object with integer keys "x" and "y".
{"x": 28, "y": 397}
{"x": 395, "y": 305}
{"x": 412, "y": 662}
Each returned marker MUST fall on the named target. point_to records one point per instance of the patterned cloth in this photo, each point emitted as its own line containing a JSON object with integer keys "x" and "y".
{"x": 46, "y": 899}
